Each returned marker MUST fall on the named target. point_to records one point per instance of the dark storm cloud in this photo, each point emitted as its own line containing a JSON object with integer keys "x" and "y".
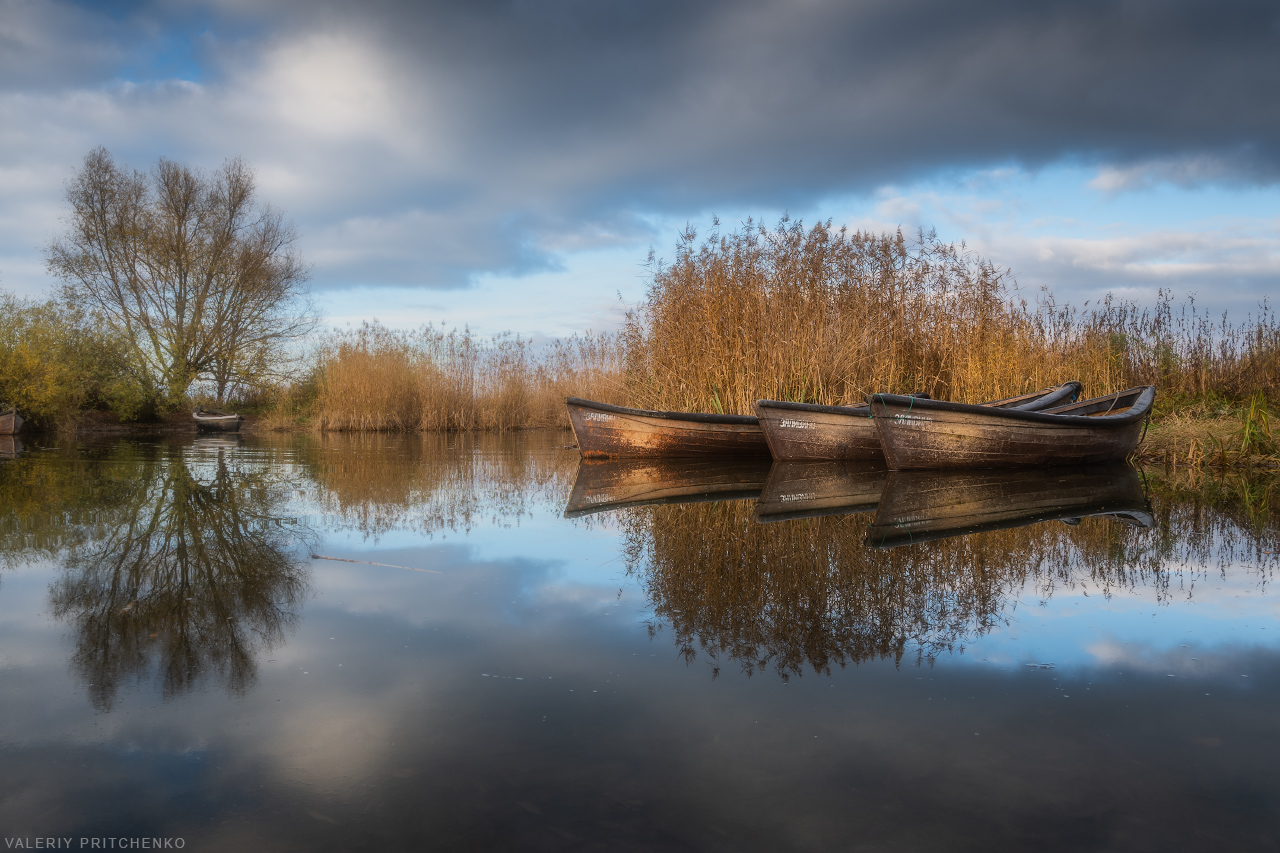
{"x": 672, "y": 103}
{"x": 425, "y": 143}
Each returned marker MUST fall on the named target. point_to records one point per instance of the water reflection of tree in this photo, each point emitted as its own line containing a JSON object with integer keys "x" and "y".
{"x": 55, "y": 499}
{"x": 809, "y": 594}
{"x": 195, "y": 579}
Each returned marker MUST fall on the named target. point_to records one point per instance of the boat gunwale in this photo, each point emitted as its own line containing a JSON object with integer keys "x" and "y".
{"x": 1037, "y": 397}
{"x": 814, "y": 407}
{"x": 1140, "y": 409}
{"x": 907, "y": 537}
{"x": 691, "y": 417}
{"x": 203, "y": 415}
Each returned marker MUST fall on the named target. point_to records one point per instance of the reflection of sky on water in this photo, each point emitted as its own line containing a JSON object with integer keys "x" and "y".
{"x": 1236, "y": 612}
{"x": 517, "y": 700}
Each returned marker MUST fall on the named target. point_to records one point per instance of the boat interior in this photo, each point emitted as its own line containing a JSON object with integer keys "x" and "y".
{"x": 1109, "y": 404}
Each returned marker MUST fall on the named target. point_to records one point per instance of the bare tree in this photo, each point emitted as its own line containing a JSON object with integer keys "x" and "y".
{"x": 200, "y": 280}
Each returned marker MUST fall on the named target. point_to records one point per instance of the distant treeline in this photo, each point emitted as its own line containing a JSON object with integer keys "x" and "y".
{"x": 818, "y": 315}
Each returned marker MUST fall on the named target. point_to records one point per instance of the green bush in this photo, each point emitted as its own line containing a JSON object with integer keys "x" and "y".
{"x": 55, "y": 361}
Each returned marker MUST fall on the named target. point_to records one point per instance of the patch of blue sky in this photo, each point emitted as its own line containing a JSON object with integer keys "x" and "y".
{"x": 1070, "y": 629}
{"x": 172, "y": 56}
{"x": 589, "y": 551}
{"x": 1068, "y": 196}
{"x": 583, "y": 295}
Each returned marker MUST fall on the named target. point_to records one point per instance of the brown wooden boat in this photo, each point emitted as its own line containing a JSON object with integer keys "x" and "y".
{"x": 934, "y": 434}
{"x": 620, "y": 483}
{"x": 10, "y": 422}
{"x": 604, "y": 431}
{"x": 797, "y": 431}
{"x": 920, "y": 506}
{"x": 208, "y": 420}
{"x": 812, "y": 489}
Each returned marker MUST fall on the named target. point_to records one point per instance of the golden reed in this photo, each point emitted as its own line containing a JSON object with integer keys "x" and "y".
{"x": 828, "y": 316}
{"x": 814, "y": 315}
{"x": 379, "y": 379}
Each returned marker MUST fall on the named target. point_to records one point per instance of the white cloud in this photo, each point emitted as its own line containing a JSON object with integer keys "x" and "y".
{"x": 1189, "y": 171}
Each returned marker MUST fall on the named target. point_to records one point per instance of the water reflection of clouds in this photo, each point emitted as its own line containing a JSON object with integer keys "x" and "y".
{"x": 373, "y": 719}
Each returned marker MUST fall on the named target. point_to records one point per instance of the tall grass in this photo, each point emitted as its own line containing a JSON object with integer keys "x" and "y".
{"x": 375, "y": 378}
{"x": 828, "y": 316}
{"x": 814, "y": 315}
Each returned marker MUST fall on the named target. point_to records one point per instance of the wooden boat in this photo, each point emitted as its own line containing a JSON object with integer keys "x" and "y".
{"x": 621, "y": 483}
{"x": 208, "y": 420}
{"x": 604, "y": 431}
{"x": 919, "y": 506}
{"x": 10, "y": 447}
{"x": 10, "y": 422}
{"x": 812, "y": 489}
{"x": 808, "y": 431}
{"x": 934, "y": 434}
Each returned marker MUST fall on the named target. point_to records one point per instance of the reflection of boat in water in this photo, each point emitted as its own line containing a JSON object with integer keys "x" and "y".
{"x": 217, "y": 441}
{"x": 605, "y": 431}
{"x": 619, "y": 483}
{"x": 918, "y": 506}
{"x": 810, "y": 489}
{"x": 10, "y": 447}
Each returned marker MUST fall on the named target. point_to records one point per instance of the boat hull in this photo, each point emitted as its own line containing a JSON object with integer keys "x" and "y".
{"x": 10, "y": 422}
{"x": 812, "y": 489}
{"x": 920, "y": 506}
{"x": 610, "y": 484}
{"x": 928, "y": 434}
{"x": 607, "y": 432}
{"x": 228, "y": 424}
{"x": 806, "y": 431}
{"x": 799, "y": 431}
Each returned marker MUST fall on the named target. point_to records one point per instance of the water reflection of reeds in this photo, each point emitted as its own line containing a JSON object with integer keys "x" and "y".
{"x": 179, "y": 560}
{"x": 428, "y": 482}
{"x": 809, "y": 594}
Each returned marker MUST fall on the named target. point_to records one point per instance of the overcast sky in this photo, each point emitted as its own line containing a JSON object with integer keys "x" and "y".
{"x": 509, "y": 164}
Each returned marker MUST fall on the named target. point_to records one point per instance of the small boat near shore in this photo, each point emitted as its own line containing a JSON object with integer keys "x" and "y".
{"x": 10, "y": 447}
{"x": 10, "y": 422}
{"x": 925, "y": 434}
{"x": 805, "y": 431}
{"x": 208, "y": 420}
{"x": 921, "y": 506}
{"x": 605, "y": 431}
{"x": 610, "y": 484}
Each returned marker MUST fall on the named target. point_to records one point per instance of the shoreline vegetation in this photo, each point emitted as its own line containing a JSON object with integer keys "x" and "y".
{"x": 790, "y": 313}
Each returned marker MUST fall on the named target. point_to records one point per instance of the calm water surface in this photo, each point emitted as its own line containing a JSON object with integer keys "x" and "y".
{"x": 732, "y": 658}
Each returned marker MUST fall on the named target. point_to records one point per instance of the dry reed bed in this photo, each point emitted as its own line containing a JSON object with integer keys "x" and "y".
{"x": 828, "y": 316}
{"x": 379, "y": 379}
{"x": 815, "y": 315}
